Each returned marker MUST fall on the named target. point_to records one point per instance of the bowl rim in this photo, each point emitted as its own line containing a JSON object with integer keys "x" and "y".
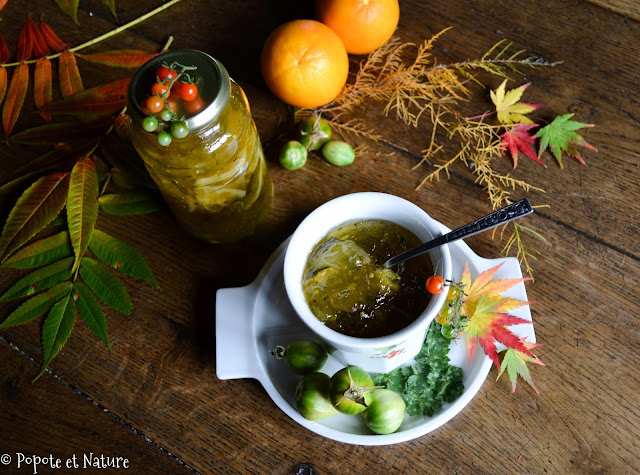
{"x": 294, "y": 266}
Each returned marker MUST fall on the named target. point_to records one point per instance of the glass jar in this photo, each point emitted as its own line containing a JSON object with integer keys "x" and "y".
{"x": 215, "y": 180}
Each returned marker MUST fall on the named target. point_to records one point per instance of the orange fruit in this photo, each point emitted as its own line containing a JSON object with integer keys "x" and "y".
{"x": 362, "y": 25}
{"x": 304, "y": 63}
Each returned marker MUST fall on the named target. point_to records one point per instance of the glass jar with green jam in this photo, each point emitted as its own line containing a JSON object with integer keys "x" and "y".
{"x": 214, "y": 179}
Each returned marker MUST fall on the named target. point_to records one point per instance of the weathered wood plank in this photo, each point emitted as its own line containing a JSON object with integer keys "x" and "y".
{"x": 53, "y": 418}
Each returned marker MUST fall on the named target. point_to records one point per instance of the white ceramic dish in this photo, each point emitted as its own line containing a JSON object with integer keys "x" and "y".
{"x": 251, "y": 320}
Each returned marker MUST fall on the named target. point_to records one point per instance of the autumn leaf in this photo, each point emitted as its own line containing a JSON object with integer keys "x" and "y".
{"x": 514, "y": 362}
{"x": 100, "y": 100}
{"x": 25, "y": 44}
{"x": 487, "y": 311}
{"x": 126, "y": 58}
{"x": 36, "y": 208}
{"x": 70, "y": 80}
{"x": 70, "y": 8}
{"x": 4, "y": 50}
{"x": 3, "y": 83}
{"x": 3, "y": 3}
{"x": 519, "y": 139}
{"x": 508, "y": 107}
{"x": 40, "y": 47}
{"x": 63, "y": 132}
{"x": 42, "y": 85}
{"x": 561, "y": 137}
{"x": 111, "y": 5}
{"x": 82, "y": 206}
{"x": 52, "y": 40}
{"x": 15, "y": 97}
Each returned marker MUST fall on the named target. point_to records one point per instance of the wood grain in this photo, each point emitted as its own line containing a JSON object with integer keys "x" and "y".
{"x": 155, "y": 397}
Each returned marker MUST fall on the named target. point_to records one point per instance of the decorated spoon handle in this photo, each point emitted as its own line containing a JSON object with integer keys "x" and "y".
{"x": 504, "y": 215}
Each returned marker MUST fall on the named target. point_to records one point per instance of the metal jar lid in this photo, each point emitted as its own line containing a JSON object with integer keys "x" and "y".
{"x": 211, "y": 77}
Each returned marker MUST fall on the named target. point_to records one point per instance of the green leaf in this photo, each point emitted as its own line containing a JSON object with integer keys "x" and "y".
{"x": 36, "y": 306}
{"x": 561, "y": 137}
{"x": 42, "y": 252}
{"x": 36, "y": 208}
{"x": 70, "y": 8}
{"x": 108, "y": 289}
{"x": 40, "y": 279}
{"x": 133, "y": 202}
{"x": 90, "y": 311}
{"x": 120, "y": 256}
{"x": 82, "y": 206}
{"x": 56, "y": 330}
{"x": 111, "y": 5}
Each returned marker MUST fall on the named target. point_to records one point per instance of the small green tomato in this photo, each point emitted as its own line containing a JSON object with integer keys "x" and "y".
{"x": 164, "y": 138}
{"x": 302, "y": 357}
{"x": 312, "y": 397}
{"x": 314, "y": 133}
{"x": 385, "y": 411}
{"x": 338, "y": 153}
{"x": 166, "y": 115}
{"x": 179, "y": 129}
{"x": 347, "y": 389}
{"x": 293, "y": 155}
{"x": 150, "y": 124}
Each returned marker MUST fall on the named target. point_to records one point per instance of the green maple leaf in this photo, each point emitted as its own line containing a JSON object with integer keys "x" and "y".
{"x": 561, "y": 137}
{"x": 515, "y": 362}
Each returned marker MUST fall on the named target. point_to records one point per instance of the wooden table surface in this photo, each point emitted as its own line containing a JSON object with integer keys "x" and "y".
{"x": 155, "y": 398}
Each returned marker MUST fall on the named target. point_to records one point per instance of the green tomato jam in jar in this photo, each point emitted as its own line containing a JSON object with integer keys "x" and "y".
{"x": 347, "y": 288}
{"x": 212, "y": 173}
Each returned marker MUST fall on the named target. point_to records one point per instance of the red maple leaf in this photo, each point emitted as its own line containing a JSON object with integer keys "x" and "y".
{"x": 519, "y": 139}
{"x": 487, "y": 311}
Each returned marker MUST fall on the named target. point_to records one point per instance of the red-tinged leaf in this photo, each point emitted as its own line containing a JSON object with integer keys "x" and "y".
{"x": 514, "y": 362}
{"x": 64, "y": 132}
{"x": 36, "y": 306}
{"x": 15, "y": 97}
{"x": 4, "y": 51}
{"x": 561, "y": 137}
{"x": 42, "y": 81}
{"x": 127, "y": 58}
{"x": 101, "y": 100}
{"x": 70, "y": 80}
{"x": 40, "y": 48}
{"x": 486, "y": 309}
{"x": 82, "y": 206}
{"x": 55, "y": 43}
{"x": 3, "y": 3}
{"x": 115, "y": 88}
{"x": 70, "y": 8}
{"x": 61, "y": 158}
{"x": 35, "y": 209}
{"x": 25, "y": 44}
{"x": 519, "y": 139}
{"x": 3, "y": 83}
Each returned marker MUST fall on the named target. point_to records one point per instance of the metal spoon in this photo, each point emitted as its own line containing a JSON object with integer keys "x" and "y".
{"x": 508, "y": 213}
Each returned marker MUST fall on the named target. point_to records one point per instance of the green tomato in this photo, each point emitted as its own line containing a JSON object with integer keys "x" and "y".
{"x": 293, "y": 155}
{"x": 150, "y": 124}
{"x": 338, "y": 153}
{"x": 385, "y": 411}
{"x": 347, "y": 389}
{"x": 314, "y": 132}
{"x": 179, "y": 129}
{"x": 312, "y": 397}
{"x": 166, "y": 115}
{"x": 448, "y": 331}
{"x": 302, "y": 357}
{"x": 164, "y": 138}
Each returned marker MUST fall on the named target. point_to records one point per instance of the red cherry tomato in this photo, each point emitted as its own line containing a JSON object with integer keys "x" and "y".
{"x": 159, "y": 88}
{"x": 194, "y": 106}
{"x": 188, "y": 92}
{"x": 434, "y": 284}
{"x": 165, "y": 73}
{"x": 154, "y": 104}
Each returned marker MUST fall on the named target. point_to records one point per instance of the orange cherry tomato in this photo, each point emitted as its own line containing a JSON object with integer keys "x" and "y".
{"x": 434, "y": 284}
{"x": 194, "y": 106}
{"x": 155, "y": 104}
